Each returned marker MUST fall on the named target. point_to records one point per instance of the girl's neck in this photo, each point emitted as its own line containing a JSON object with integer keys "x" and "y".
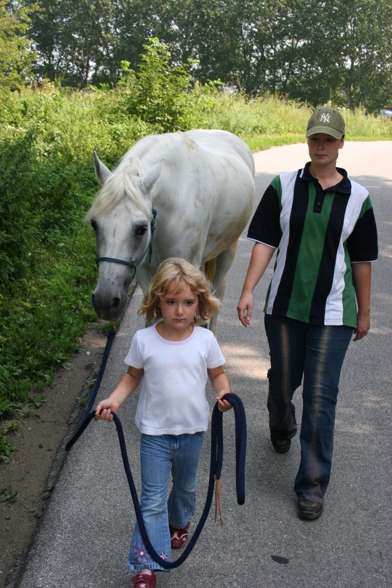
{"x": 166, "y": 332}
{"x": 327, "y": 177}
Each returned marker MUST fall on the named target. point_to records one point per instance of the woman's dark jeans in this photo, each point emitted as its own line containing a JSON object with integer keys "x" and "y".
{"x": 317, "y": 353}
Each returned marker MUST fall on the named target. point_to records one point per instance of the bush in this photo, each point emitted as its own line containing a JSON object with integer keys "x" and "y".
{"x": 47, "y": 183}
{"x": 158, "y": 92}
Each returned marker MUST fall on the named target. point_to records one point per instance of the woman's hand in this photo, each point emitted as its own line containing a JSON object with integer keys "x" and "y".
{"x": 244, "y": 308}
{"x": 363, "y": 326}
{"x": 362, "y": 274}
{"x": 260, "y": 258}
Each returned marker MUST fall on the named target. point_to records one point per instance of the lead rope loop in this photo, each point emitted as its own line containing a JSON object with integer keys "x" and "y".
{"x": 215, "y": 465}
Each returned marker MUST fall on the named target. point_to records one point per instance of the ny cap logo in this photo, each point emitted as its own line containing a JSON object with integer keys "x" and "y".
{"x": 325, "y": 117}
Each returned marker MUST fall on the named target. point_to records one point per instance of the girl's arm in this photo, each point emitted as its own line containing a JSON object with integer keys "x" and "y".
{"x": 128, "y": 384}
{"x": 221, "y": 385}
{"x": 261, "y": 256}
{"x": 362, "y": 280}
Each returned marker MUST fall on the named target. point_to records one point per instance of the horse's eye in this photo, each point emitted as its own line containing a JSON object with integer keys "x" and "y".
{"x": 94, "y": 225}
{"x": 141, "y": 231}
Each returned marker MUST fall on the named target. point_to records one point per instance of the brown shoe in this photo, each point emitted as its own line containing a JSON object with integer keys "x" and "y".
{"x": 178, "y": 536}
{"x": 309, "y": 510}
{"x": 280, "y": 445}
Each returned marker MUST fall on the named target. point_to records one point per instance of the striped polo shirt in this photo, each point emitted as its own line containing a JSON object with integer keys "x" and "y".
{"x": 318, "y": 234}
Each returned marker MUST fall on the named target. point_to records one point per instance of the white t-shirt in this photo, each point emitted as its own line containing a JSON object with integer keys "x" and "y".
{"x": 173, "y": 395}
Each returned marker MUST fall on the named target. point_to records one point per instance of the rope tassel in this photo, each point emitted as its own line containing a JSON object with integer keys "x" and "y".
{"x": 217, "y": 500}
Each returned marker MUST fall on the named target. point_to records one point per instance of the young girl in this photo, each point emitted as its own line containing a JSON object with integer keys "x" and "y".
{"x": 172, "y": 358}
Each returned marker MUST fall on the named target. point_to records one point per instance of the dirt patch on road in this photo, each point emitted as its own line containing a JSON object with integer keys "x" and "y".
{"x": 39, "y": 454}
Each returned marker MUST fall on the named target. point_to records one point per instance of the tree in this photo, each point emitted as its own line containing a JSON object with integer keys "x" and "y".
{"x": 159, "y": 90}
{"x": 86, "y": 30}
{"x": 312, "y": 50}
{"x": 16, "y": 54}
{"x": 74, "y": 39}
{"x": 367, "y": 53}
{"x": 343, "y": 53}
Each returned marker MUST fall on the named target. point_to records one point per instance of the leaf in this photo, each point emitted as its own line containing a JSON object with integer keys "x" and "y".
{"x": 8, "y": 495}
{"x": 279, "y": 559}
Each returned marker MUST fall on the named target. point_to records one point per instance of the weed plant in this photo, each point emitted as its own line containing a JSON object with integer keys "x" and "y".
{"x": 270, "y": 121}
{"x": 47, "y": 183}
{"x": 47, "y": 272}
{"x": 248, "y": 118}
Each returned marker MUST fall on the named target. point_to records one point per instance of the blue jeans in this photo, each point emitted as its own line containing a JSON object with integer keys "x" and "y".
{"x": 160, "y": 455}
{"x": 316, "y": 353}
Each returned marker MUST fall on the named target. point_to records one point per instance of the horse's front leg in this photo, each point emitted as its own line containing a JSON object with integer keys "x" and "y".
{"x": 223, "y": 263}
{"x": 144, "y": 276}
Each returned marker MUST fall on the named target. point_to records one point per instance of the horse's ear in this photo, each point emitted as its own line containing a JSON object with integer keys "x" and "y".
{"x": 147, "y": 182}
{"x": 101, "y": 171}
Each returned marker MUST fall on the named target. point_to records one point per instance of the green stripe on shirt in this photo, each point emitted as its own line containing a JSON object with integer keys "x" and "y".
{"x": 309, "y": 258}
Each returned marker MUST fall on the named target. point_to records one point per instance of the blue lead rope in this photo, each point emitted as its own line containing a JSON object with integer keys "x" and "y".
{"x": 109, "y": 342}
{"x": 215, "y": 471}
{"x": 215, "y": 465}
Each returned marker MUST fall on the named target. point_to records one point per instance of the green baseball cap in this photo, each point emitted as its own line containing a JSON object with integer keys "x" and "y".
{"x": 326, "y": 120}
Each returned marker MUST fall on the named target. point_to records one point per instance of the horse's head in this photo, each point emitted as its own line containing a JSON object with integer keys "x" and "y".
{"x": 121, "y": 216}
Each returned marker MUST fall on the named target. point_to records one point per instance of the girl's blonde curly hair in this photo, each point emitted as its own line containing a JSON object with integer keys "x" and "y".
{"x": 175, "y": 273}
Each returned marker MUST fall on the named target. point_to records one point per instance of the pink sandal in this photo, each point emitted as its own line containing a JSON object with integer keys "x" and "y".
{"x": 178, "y": 536}
{"x": 144, "y": 579}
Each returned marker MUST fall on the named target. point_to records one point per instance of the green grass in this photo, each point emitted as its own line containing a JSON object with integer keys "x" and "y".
{"x": 45, "y": 317}
{"x": 268, "y": 116}
{"x": 47, "y": 182}
{"x": 262, "y": 142}
{"x": 270, "y": 121}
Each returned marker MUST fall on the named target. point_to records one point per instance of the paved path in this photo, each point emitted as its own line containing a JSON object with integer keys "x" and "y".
{"x": 84, "y": 537}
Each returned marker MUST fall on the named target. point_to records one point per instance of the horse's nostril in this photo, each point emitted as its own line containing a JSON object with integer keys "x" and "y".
{"x": 115, "y": 304}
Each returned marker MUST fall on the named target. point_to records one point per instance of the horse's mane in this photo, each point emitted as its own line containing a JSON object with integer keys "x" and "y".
{"x": 121, "y": 184}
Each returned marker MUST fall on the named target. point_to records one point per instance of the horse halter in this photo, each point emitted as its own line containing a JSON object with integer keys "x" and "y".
{"x": 134, "y": 264}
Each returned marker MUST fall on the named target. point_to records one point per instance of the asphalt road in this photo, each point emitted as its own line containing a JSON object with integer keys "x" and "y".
{"x": 84, "y": 537}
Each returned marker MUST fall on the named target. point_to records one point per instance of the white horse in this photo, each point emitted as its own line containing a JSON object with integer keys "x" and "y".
{"x": 200, "y": 185}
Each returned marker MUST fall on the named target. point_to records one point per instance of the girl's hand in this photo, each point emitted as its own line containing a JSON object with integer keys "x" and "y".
{"x": 223, "y": 405}
{"x": 128, "y": 384}
{"x": 108, "y": 407}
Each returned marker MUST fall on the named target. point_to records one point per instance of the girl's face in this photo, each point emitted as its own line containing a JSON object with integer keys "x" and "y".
{"x": 323, "y": 149}
{"x": 178, "y": 309}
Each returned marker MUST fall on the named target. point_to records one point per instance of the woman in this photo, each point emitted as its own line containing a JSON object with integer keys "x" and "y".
{"x": 323, "y": 227}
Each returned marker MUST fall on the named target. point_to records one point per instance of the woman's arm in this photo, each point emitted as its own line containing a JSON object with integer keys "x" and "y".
{"x": 126, "y": 386}
{"x": 362, "y": 282}
{"x": 220, "y": 383}
{"x": 260, "y": 258}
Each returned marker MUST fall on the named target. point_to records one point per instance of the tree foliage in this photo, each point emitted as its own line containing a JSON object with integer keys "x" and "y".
{"x": 16, "y": 55}
{"x": 158, "y": 92}
{"x": 312, "y": 50}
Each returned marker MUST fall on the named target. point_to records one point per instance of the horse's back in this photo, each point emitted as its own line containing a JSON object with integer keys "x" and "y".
{"x": 205, "y": 191}
{"x": 222, "y": 144}
{"x": 215, "y": 143}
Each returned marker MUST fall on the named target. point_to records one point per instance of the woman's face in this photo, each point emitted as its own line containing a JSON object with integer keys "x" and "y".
{"x": 323, "y": 149}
